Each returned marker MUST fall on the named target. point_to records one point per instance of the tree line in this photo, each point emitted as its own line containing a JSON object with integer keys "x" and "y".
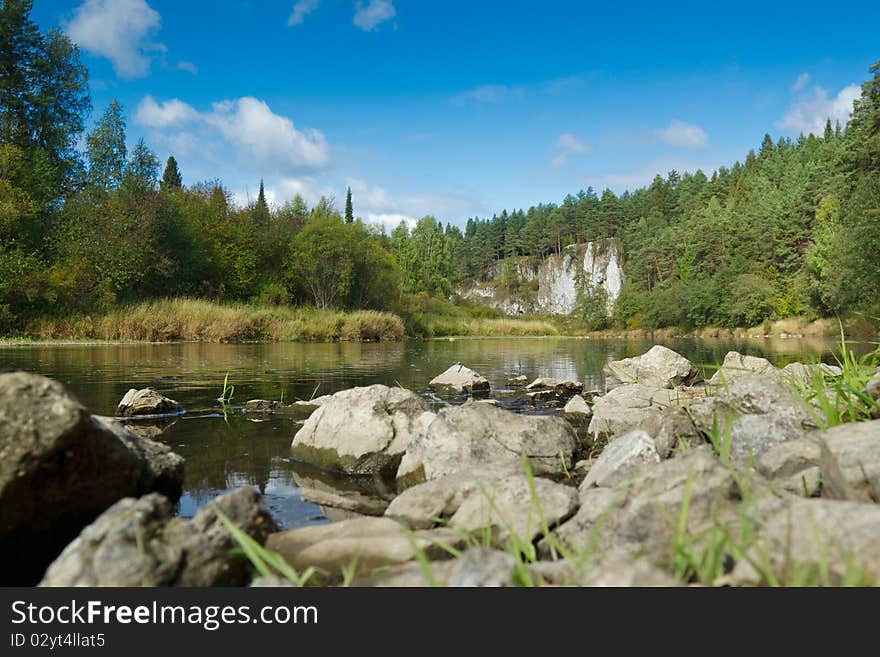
{"x": 794, "y": 229}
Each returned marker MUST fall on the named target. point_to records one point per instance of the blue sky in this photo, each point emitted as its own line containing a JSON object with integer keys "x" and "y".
{"x": 458, "y": 108}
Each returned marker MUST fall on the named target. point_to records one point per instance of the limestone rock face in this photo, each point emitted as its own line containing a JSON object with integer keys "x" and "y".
{"x": 660, "y": 367}
{"x": 60, "y": 467}
{"x": 362, "y": 430}
{"x": 475, "y": 436}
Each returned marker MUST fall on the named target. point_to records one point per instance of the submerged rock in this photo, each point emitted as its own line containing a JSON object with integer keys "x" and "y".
{"x": 60, "y": 467}
{"x": 138, "y": 542}
{"x": 477, "y": 436}
{"x": 362, "y": 430}
{"x": 147, "y": 402}
{"x": 297, "y": 410}
{"x": 460, "y": 379}
{"x": 660, "y": 367}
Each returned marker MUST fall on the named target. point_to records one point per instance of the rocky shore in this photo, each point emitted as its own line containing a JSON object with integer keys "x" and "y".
{"x": 664, "y": 478}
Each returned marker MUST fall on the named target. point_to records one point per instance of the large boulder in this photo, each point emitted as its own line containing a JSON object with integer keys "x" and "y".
{"x": 60, "y": 467}
{"x": 660, "y": 367}
{"x": 139, "y": 542}
{"x": 643, "y": 515}
{"x": 362, "y": 430}
{"x": 364, "y": 544}
{"x": 815, "y": 541}
{"x": 621, "y": 459}
{"x": 475, "y": 436}
{"x": 753, "y": 413}
{"x": 629, "y": 406}
{"x": 737, "y": 366}
{"x": 459, "y": 378}
{"x": 850, "y": 460}
{"x": 490, "y": 499}
{"x": 147, "y": 402}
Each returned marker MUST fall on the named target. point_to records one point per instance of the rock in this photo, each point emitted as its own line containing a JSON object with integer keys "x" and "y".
{"x": 621, "y": 459}
{"x": 672, "y": 429}
{"x": 612, "y": 570}
{"x": 806, "y": 483}
{"x": 872, "y": 387}
{"x": 147, "y": 402}
{"x": 660, "y": 367}
{"x": 787, "y": 459}
{"x": 481, "y": 500}
{"x": 362, "y": 430}
{"x": 578, "y": 406}
{"x": 478, "y": 436}
{"x": 150, "y": 427}
{"x": 60, "y": 467}
{"x": 851, "y": 461}
{"x": 642, "y": 516}
{"x": 519, "y": 380}
{"x": 138, "y": 542}
{"x": 736, "y": 366}
{"x": 364, "y": 544}
{"x": 545, "y": 388}
{"x": 477, "y": 567}
{"x": 800, "y": 373}
{"x": 753, "y": 413}
{"x": 628, "y": 407}
{"x": 297, "y": 410}
{"x": 460, "y": 379}
{"x": 811, "y": 536}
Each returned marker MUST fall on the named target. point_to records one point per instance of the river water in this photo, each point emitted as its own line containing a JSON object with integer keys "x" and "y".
{"x": 226, "y": 450}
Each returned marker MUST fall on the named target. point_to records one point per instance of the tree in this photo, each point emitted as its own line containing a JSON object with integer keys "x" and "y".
{"x": 261, "y": 209}
{"x": 105, "y": 146}
{"x": 349, "y": 210}
{"x": 171, "y": 178}
{"x": 43, "y": 102}
{"x": 142, "y": 170}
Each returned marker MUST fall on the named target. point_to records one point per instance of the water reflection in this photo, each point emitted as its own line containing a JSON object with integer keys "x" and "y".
{"x": 223, "y": 453}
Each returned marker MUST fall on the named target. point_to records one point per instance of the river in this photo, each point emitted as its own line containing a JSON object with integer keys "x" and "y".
{"x": 226, "y": 450}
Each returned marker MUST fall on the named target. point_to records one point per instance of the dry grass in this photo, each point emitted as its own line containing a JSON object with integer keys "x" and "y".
{"x": 196, "y": 320}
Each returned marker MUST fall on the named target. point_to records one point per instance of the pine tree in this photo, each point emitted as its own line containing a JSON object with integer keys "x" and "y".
{"x": 349, "y": 209}
{"x": 829, "y": 131}
{"x": 261, "y": 209}
{"x": 171, "y": 179}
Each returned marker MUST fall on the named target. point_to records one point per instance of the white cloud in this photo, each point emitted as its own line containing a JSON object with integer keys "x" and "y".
{"x": 683, "y": 135}
{"x": 270, "y": 140}
{"x": 809, "y": 112}
{"x": 802, "y": 81}
{"x": 300, "y": 10}
{"x": 489, "y": 93}
{"x": 189, "y": 67}
{"x": 173, "y": 112}
{"x": 117, "y": 30}
{"x": 569, "y": 143}
{"x": 390, "y": 220}
{"x": 371, "y": 14}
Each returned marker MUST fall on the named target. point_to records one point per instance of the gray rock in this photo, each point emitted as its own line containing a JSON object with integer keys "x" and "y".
{"x": 490, "y": 499}
{"x": 851, "y": 461}
{"x": 660, "y": 367}
{"x": 363, "y": 544}
{"x": 629, "y": 406}
{"x": 477, "y": 436}
{"x": 477, "y": 567}
{"x": 147, "y": 402}
{"x": 60, "y": 467}
{"x": 138, "y": 542}
{"x": 362, "y": 430}
{"x": 460, "y": 379}
{"x": 806, "y": 483}
{"x": 672, "y": 429}
{"x": 810, "y": 536}
{"x": 642, "y": 516}
{"x": 296, "y": 410}
{"x": 578, "y": 406}
{"x": 612, "y": 570}
{"x": 548, "y": 388}
{"x": 736, "y": 366}
{"x": 754, "y": 413}
{"x": 519, "y": 380}
{"x": 621, "y": 459}
{"x": 786, "y": 459}
{"x": 801, "y": 373}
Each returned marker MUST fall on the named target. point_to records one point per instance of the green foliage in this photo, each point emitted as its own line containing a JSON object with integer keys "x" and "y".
{"x": 171, "y": 178}
{"x": 105, "y": 148}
